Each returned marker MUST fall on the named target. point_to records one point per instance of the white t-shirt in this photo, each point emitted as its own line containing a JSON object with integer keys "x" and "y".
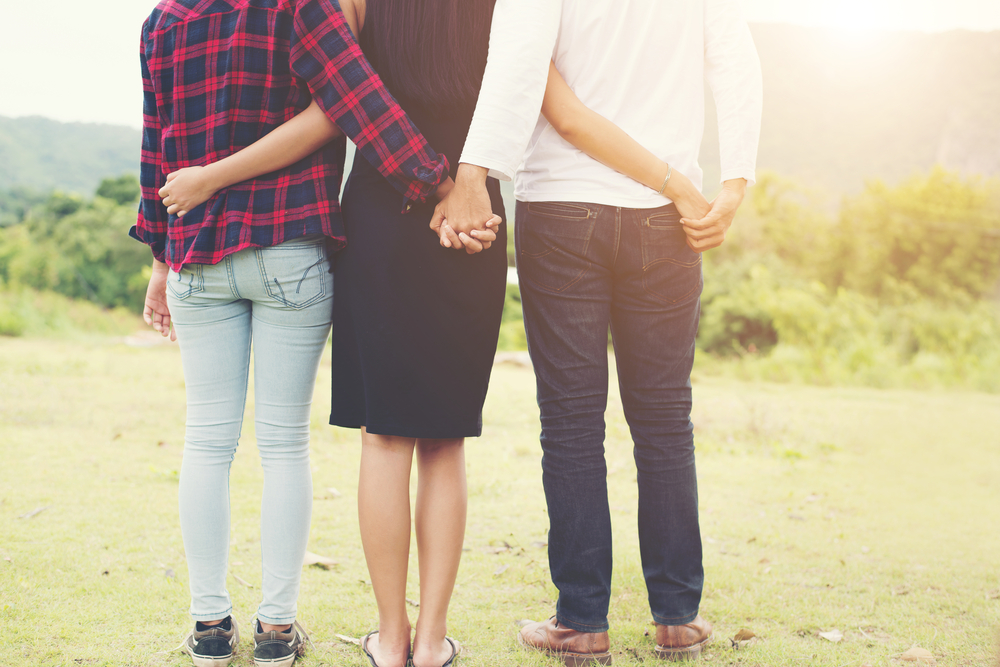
{"x": 643, "y": 65}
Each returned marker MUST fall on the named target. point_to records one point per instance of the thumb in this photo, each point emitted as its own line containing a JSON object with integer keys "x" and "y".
{"x": 437, "y": 218}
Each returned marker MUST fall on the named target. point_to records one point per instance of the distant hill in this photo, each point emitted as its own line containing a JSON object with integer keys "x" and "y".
{"x": 44, "y": 154}
{"x": 839, "y": 108}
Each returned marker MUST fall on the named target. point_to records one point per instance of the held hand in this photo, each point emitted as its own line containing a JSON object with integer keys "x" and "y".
{"x": 710, "y": 231}
{"x": 475, "y": 241}
{"x": 187, "y": 188}
{"x": 688, "y": 199}
{"x": 466, "y": 206}
{"x": 442, "y": 193}
{"x": 155, "y": 311}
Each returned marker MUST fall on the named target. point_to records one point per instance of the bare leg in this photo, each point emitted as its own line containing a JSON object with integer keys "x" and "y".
{"x": 442, "y": 499}
{"x": 384, "y": 515}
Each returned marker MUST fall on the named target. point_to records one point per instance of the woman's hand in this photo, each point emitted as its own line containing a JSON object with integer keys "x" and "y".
{"x": 187, "y": 188}
{"x": 444, "y": 189}
{"x": 155, "y": 311}
{"x": 688, "y": 199}
{"x": 475, "y": 241}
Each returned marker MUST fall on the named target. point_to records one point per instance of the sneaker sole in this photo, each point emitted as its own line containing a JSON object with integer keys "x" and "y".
{"x": 682, "y": 654}
{"x": 210, "y": 661}
{"x": 276, "y": 662}
{"x": 570, "y": 659}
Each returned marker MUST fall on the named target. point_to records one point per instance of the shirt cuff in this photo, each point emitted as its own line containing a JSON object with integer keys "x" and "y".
{"x": 497, "y": 169}
{"x": 749, "y": 174}
{"x": 426, "y": 181}
{"x": 159, "y": 249}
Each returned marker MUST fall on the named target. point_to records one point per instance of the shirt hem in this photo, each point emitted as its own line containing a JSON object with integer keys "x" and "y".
{"x": 468, "y": 430}
{"x": 601, "y": 199}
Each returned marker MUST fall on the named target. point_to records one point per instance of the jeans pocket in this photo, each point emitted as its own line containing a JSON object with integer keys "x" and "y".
{"x": 189, "y": 281}
{"x": 553, "y": 240}
{"x": 295, "y": 275}
{"x": 671, "y": 271}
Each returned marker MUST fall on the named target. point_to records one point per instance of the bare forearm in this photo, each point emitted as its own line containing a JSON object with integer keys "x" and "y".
{"x": 285, "y": 145}
{"x": 607, "y": 143}
{"x": 597, "y": 136}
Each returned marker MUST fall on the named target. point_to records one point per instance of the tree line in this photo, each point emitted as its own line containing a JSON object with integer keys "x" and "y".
{"x": 899, "y": 286}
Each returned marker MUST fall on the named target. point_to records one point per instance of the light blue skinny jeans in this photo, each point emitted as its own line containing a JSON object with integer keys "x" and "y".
{"x": 281, "y": 299}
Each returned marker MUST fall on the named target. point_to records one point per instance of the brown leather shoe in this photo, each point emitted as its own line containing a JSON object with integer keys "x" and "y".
{"x": 682, "y": 642}
{"x": 573, "y": 647}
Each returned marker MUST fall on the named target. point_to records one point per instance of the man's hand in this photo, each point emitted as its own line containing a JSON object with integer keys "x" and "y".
{"x": 710, "y": 231}
{"x": 187, "y": 188}
{"x": 155, "y": 312}
{"x": 467, "y": 206}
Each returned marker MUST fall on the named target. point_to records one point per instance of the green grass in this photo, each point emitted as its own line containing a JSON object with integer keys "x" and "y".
{"x": 29, "y": 312}
{"x": 872, "y": 512}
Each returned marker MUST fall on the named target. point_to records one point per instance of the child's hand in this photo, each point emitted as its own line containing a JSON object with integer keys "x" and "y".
{"x": 186, "y": 189}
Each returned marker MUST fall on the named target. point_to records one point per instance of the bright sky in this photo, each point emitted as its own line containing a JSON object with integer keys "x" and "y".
{"x": 77, "y": 61}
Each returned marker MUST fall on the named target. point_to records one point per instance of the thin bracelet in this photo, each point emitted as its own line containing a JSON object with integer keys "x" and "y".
{"x": 670, "y": 171}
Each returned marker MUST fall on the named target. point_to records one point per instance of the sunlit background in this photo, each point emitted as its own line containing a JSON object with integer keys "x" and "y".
{"x": 847, "y": 380}
{"x": 76, "y": 61}
{"x": 879, "y": 179}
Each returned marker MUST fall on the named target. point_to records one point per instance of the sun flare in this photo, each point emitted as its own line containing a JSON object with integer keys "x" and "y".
{"x": 857, "y": 15}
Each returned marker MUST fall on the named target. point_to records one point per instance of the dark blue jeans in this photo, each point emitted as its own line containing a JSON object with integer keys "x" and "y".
{"x": 583, "y": 268}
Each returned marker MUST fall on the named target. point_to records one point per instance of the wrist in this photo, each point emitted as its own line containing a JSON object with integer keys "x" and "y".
{"x": 443, "y": 190}
{"x": 737, "y": 185}
{"x": 214, "y": 177}
{"x": 471, "y": 174}
{"x": 679, "y": 187}
{"x": 668, "y": 172}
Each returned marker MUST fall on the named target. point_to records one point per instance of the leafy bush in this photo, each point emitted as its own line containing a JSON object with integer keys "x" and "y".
{"x": 778, "y": 327}
{"x": 122, "y": 190}
{"x": 79, "y": 248}
{"x": 512, "y": 336}
{"x": 891, "y": 291}
{"x": 938, "y": 233}
{"x": 934, "y": 235}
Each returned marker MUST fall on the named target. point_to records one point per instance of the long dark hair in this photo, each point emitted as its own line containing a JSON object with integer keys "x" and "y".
{"x": 430, "y": 51}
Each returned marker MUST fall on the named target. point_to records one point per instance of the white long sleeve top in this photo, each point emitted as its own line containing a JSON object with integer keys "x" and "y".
{"x": 643, "y": 65}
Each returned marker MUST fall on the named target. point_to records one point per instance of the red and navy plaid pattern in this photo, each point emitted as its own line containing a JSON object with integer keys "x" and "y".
{"x": 220, "y": 74}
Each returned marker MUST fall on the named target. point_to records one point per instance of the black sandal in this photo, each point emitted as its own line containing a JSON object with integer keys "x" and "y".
{"x": 364, "y": 647}
{"x": 455, "y": 649}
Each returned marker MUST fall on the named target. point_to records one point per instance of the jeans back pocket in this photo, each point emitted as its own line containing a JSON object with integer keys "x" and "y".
{"x": 671, "y": 271}
{"x": 296, "y": 275}
{"x": 553, "y": 239}
{"x": 188, "y": 281}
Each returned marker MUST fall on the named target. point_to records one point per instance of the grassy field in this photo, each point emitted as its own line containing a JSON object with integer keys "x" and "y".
{"x": 873, "y": 513}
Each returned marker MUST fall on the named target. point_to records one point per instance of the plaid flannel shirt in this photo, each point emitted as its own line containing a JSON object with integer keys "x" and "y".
{"x": 220, "y": 74}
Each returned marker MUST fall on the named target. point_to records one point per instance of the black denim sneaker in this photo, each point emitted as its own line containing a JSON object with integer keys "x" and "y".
{"x": 213, "y": 645}
{"x": 278, "y": 649}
